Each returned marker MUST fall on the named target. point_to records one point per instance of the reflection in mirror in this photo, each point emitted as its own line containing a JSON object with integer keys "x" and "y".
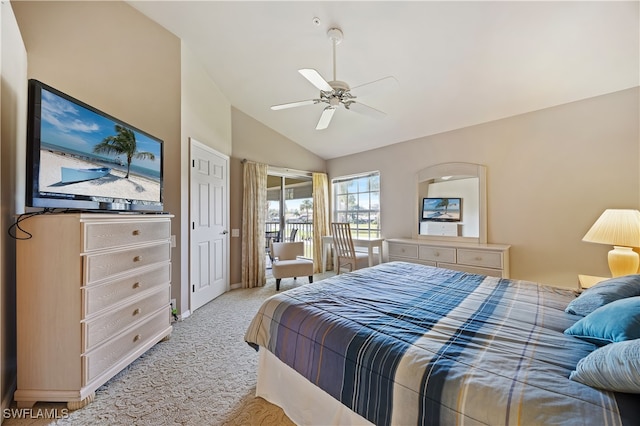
{"x": 447, "y": 188}
{"x": 464, "y": 188}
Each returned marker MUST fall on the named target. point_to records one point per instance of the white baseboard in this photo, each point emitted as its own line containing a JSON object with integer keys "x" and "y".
{"x": 235, "y": 286}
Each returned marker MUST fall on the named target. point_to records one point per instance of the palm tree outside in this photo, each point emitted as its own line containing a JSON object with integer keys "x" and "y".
{"x": 307, "y": 205}
{"x": 123, "y": 143}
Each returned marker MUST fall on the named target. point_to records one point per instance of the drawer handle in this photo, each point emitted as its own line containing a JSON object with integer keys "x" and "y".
{"x": 136, "y": 285}
{"x": 137, "y": 337}
{"x": 136, "y": 232}
{"x": 478, "y": 258}
{"x": 436, "y": 254}
{"x": 137, "y": 311}
{"x": 137, "y": 259}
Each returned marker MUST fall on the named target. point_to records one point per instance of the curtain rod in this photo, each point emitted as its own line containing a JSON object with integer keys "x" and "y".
{"x": 284, "y": 170}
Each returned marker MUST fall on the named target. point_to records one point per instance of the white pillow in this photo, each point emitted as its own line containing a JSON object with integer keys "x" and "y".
{"x": 614, "y": 367}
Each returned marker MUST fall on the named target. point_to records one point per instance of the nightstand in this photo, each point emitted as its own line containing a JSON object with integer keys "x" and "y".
{"x": 587, "y": 281}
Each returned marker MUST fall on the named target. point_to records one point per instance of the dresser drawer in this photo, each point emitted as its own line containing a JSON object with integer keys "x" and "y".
{"x": 487, "y": 259}
{"x": 98, "y": 297}
{"x": 437, "y": 254}
{"x": 103, "y": 327}
{"x": 421, "y": 262}
{"x": 472, "y": 269}
{"x": 104, "y": 265}
{"x": 403, "y": 250}
{"x": 98, "y": 361}
{"x": 117, "y": 234}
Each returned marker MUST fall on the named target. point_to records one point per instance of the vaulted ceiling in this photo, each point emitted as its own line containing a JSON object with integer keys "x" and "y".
{"x": 456, "y": 63}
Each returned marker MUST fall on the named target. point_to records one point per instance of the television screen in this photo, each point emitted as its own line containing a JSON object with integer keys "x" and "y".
{"x": 80, "y": 157}
{"x": 442, "y": 209}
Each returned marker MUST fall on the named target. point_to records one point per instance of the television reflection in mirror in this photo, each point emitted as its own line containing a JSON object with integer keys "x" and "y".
{"x": 442, "y": 209}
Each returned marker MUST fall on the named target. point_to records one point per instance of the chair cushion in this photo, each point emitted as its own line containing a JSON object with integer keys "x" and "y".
{"x": 292, "y": 268}
{"x": 362, "y": 259}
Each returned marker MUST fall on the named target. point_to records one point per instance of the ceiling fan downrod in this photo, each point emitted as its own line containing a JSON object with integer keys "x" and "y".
{"x": 336, "y": 36}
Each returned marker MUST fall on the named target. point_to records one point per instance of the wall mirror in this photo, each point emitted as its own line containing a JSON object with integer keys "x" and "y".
{"x": 452, "y": 203}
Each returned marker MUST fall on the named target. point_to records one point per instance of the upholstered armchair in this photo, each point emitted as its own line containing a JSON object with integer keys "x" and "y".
{"x": 287, "y": 262}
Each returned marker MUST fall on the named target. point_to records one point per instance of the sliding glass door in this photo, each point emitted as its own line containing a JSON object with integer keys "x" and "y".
{"x": 290, "y": 209}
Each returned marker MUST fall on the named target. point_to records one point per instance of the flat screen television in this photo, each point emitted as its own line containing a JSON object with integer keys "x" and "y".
{"x": 442, "y": 209}
{"x": 81, "y": 158}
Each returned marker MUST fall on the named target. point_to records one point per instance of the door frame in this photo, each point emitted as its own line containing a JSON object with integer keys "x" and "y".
{"x": 193, "y": 142}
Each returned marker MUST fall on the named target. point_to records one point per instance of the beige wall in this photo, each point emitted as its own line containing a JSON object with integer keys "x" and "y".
{"x": 132, "y": 73}
{"x": 206, "y": 117}
{"x": 550, "y": 174}
{"x": 13, "y": 90}
{"x": 254, "y": 141}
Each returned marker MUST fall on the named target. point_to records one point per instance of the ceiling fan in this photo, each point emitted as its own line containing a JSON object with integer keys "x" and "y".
{"x": 338, "y": 93}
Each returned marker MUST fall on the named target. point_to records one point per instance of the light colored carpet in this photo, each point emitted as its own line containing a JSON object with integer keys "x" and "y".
{"x": 204, "y": 375}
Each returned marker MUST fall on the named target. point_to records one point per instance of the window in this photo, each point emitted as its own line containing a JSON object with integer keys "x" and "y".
{"x": 356, "y": 200}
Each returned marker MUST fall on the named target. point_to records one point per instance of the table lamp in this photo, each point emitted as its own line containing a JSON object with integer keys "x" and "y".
{"x": 621, "y": 229}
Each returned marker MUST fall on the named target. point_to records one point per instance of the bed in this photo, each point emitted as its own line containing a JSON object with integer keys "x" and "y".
{"x": 407, "y": 344}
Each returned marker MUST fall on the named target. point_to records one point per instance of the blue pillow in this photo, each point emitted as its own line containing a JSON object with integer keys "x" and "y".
{"x": 604, "y": 292}
{"x": 615, "y": 367}
{"x": 614, "y": 322}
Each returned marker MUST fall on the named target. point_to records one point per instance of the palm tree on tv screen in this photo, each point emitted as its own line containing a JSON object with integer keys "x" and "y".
{"x": 124, "y": 142}
{"x": 444, "y": 203}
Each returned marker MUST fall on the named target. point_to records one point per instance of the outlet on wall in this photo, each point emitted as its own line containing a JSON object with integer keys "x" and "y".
{"x": 173, "y": 304}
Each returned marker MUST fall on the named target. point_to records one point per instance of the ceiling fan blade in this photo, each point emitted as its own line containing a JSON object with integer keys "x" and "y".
{"x": 361, "y": 108}
{"x": 316, "y": 79}
{"x": 294, "y": 104}
{"x": 325, "y": 118}
{"x": 378, "y": 86}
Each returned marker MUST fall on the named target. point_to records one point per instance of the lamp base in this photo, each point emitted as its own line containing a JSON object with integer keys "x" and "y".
{"x": 623, "y": 261}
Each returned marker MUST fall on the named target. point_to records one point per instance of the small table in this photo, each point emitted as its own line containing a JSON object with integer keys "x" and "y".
{"x": 588, "y": 281}
{"x": 369, "y": 243}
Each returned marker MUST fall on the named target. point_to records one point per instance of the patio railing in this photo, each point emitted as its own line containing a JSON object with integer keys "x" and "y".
{"x": 304, "y": 234}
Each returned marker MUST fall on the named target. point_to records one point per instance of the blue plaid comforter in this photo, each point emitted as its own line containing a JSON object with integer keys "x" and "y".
{"x": 404, "y": 344}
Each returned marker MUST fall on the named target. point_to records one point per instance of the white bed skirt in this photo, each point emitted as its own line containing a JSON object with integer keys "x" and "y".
{"x": 302, "y": 401}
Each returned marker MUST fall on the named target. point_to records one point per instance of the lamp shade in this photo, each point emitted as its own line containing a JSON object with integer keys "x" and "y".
{"x": 616, "y": 227}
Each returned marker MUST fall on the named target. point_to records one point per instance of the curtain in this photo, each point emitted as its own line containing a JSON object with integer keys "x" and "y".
{"x": 320, "y": 217}
{"x": 254, "y": 208}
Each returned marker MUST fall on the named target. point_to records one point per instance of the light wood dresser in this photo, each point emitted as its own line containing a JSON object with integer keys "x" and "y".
{"x": 93, "y": 294}
{"x": 485, "y": 259}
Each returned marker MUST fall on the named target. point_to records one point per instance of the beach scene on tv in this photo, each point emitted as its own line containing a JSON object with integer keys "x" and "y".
{"x": 85, "y": 153}
{"x": 444, "y": 209}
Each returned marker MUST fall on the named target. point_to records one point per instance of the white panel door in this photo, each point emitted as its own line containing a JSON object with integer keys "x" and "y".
{"x": 208, "y": 220}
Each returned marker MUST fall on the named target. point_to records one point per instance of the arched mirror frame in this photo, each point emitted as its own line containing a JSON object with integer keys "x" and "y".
{"x": 426, "y": 176}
